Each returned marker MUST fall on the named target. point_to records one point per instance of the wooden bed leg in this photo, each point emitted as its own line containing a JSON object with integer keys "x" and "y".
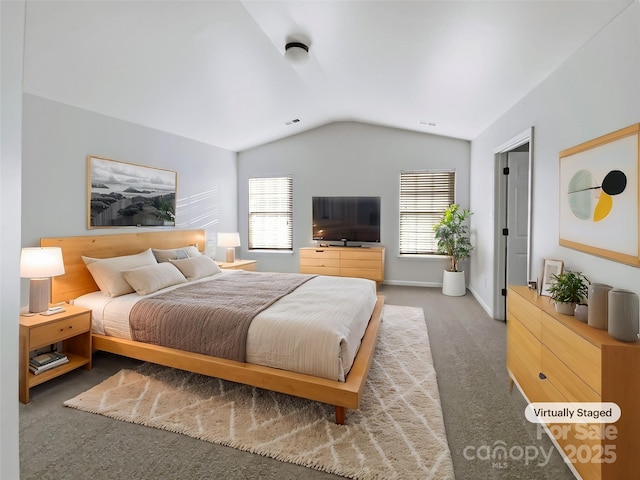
{"x": 341, "y": 413}
{"x": 511, "y": 382}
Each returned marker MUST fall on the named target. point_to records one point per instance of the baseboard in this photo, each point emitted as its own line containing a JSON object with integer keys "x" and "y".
{"x": 404, "y": 283}
{"x": 481, "y": 302}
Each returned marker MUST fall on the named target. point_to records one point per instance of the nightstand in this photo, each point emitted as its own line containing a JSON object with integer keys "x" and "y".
{"x": 71, "y": 327}
{"x": 248, "y": 265}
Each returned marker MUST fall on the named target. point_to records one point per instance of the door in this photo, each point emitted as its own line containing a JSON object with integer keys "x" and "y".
{"x": 517, "y": 220}
{"x": 512, "y": 225}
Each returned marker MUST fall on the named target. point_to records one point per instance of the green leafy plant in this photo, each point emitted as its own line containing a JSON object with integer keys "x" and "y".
{"x": 569, "y": 287}
{"x": 452, "y": 235}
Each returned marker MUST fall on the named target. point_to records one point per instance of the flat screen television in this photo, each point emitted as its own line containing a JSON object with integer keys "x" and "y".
{"x": 346, "y": 219}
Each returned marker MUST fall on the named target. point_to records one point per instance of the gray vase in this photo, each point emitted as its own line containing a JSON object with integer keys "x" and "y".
{"x": 598, "y": 301}
{"x": 623, "y": 315}
{"x": 581, "y": 312}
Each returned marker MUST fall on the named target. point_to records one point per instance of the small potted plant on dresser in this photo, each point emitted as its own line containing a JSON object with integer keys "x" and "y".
{"x": 568, "y": 289}
{"x": 452, "y": 235}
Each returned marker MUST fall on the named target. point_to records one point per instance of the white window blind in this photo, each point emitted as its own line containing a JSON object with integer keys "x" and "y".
{"x": 424, "y": 196}
{"x": 271, "y": 213}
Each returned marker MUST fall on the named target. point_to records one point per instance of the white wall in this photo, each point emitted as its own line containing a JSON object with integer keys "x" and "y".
{"x": 57, "y": 139}
{"x": 595, "y": 92}
{"x": 348, "y": 158}
{"x": 11, "y": 48}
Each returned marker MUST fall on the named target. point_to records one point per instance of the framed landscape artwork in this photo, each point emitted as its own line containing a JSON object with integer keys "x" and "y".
{"x": 126, "y": 195}
{"x": 599, "y": 196}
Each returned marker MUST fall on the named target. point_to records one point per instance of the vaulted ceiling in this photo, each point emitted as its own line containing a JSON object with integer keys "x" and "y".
{"x": 214, "y": 71}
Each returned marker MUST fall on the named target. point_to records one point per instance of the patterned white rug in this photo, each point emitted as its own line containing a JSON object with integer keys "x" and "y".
{"x": 398, "y": 433}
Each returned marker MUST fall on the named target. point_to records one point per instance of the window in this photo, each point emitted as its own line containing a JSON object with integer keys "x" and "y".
{"x": 271, "y": 213}
{"x": 424, "y": 196}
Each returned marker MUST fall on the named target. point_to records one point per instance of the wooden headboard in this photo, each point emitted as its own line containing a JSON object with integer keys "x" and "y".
{"x": 77, "y": 280}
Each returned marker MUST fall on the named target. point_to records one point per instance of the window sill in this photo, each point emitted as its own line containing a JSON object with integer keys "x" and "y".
{"x": 425, "y": 256}
{"x": 278, "y": 252}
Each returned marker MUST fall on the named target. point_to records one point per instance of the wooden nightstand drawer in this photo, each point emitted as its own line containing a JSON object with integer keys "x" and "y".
{"x": 72, "y": 328}
{"x": 59, "y": 330}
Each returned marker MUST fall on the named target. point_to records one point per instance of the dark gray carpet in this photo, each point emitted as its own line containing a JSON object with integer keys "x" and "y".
{"x": 468, "y": 349}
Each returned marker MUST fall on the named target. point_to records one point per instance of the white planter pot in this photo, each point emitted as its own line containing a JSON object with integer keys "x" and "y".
{"x": 566, "y": 308}
{"x": 453, "y": 284}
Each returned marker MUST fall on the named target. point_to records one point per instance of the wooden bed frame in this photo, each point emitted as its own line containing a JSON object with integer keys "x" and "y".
{"x": 78, "y": 281}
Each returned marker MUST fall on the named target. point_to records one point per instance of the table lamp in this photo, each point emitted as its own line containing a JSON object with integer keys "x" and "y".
{"x": 231, "y": 241}
{"x": 39, "y": 264}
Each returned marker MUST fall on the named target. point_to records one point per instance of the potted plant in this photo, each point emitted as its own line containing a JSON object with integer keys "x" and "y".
{"x": 452, "y": 234}
{"x": 568, "y": 289}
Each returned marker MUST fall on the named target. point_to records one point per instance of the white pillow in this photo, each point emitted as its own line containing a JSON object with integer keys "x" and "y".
{"x": 197, "y": 267}
{"x": 107, "y": 272}
{"x": 151, "y": 278}
{"x": 175, "y": 253}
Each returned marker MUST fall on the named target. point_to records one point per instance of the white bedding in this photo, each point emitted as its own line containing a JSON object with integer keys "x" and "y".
{"x": 316, "y": 329}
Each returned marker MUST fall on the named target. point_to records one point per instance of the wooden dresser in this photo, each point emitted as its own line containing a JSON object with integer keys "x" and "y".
{"x": 556, "y": 358}
{"x": 362, "y": 262}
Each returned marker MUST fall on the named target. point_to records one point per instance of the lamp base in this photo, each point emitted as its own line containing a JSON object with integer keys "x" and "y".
{"x": 231, "y": 254}
{"x": 38, "y": 295}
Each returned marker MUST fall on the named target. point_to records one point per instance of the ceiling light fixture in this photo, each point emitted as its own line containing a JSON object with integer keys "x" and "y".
{"x": 296, "y": 52}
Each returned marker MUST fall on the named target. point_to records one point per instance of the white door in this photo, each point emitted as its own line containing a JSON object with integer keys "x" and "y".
{"x": 512, "y": 202}
{"x": 517, "y": 220}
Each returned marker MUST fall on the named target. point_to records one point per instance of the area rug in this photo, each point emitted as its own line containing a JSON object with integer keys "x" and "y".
{"x": 398, "y": 432}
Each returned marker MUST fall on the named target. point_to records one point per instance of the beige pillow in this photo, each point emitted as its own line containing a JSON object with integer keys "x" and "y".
{"x": 175, "y": 253}
{"x": 107, "y": 272}
{"x": 151, "y": 278}
{"x": 197, "y": 267}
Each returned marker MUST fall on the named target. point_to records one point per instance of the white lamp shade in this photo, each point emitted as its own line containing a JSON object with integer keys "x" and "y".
{"x": 41, "y": 262}
{"x": 229, "y": 239}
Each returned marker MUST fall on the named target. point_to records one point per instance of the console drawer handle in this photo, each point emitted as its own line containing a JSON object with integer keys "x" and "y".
{"x": 542, "y": 376}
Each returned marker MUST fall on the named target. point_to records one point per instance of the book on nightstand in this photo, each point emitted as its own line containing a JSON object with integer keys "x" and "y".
{"x": 46, "y": 361}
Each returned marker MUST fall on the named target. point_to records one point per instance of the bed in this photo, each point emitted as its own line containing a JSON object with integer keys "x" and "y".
{"x": 78, "y": 283}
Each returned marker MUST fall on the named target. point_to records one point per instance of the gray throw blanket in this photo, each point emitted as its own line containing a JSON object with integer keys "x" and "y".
{"x": 212, "y": 317}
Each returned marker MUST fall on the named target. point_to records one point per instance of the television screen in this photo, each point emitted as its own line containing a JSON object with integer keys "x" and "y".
{"x": 353, "y": 219}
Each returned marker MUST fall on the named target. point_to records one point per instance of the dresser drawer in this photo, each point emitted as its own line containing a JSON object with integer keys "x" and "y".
{"x": 320, "y": 262}
{"x": 363, "y": 264}
{"x": 579, "y": 355}
{"x": 370, "y": 273}
{"x": 319, "y": 253}
{"x": 571, "y": 386}
{"x": 527, "y": 313}
{"x": 320, "y": 270}
{"x": 59, "y": 330}
{"x": 523, "y": 359}
{"x": 343, "y": 262}
{"x": 362, "y": 255}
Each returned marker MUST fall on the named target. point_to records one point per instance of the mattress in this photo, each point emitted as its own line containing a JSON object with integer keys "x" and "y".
{"x": 315, "y": 330}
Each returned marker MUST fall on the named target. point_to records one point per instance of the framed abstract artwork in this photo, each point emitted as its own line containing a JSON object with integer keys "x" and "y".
{"x": 127, "y": 195}
{"x": 599, "y": 196}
